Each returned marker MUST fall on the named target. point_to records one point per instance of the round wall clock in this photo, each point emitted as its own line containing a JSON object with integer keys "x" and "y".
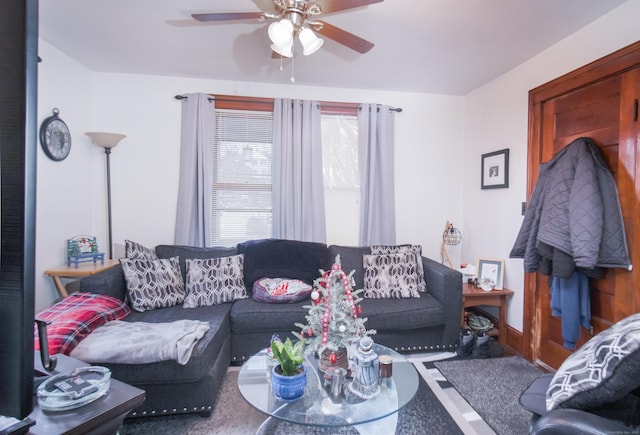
{"x": 55, "y": 137}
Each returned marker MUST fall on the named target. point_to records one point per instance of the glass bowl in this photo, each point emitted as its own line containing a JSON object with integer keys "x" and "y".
{"x": 73, "y": 389}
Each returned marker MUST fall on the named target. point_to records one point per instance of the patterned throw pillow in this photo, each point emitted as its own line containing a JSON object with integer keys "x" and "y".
{"x": 280, "y": 290}
{"x": 134, "y": 250}
{"x": 75, "y": 317}
{"x": 415, "y": 249}
{"x": 603, "y": 370}
{"x": 153, "y": 283}
{"x": 390, "y": 276}
{"x": 214, "y": 281}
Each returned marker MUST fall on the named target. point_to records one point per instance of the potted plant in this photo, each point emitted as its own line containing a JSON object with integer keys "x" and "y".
{"x": 288, "y": 377}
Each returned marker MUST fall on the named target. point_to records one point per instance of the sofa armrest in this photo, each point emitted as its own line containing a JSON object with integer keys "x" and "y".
{"x": 445, "y": 284}
{"x": 574, "y": 421}
{"x": 108, "y": 282}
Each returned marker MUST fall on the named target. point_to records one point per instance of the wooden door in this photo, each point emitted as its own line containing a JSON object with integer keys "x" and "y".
{"x": 600, "y": 101}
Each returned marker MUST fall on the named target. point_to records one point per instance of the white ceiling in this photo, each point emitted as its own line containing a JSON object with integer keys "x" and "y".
{"x": 431, "y": 46}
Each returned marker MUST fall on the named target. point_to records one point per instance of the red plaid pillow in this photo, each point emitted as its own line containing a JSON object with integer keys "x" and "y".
{"x": 75, "y": 317}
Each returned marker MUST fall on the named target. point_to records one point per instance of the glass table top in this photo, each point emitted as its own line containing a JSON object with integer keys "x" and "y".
{"x": 316, "y": 407}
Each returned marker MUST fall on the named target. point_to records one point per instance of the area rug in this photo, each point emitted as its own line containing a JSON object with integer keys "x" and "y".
{"x": 491, "y": 387}
{"x": 434, "y": 410}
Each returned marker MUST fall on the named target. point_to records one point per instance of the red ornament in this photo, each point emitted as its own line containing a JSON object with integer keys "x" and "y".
{"x": 310, "y": 332}
{"x": 359, "y": 309}
{"x": 333, "y": 358}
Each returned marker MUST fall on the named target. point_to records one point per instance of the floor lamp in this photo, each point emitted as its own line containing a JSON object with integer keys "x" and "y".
{"x": 107, "y": 141}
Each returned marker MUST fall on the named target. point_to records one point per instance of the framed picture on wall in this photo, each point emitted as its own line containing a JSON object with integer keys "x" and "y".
{"x": 495, "y": 170}
{"x": 493, "y": 269}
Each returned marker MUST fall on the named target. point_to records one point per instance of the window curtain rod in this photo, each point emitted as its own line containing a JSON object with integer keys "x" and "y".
{"x": 324, "y": 105}
{"x": 184, "y": 97}
{"x": 391, "y": 109}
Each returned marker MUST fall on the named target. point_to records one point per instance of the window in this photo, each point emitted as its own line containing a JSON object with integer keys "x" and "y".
{"x": 241, "y": 205}
{"x": 341, "y": 178}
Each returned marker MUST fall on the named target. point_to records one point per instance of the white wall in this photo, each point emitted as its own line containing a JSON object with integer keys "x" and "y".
{"x": 64, "y": 189}
{"x": 439, "y": 142}
{"x": 496, "y": 118}
{"x": 144, "y": 166}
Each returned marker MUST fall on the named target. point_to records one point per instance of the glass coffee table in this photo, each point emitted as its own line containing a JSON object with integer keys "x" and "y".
{"x": 317, "y": 408}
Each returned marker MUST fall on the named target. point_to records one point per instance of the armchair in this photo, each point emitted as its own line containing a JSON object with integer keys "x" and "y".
{"x": 596, "y": 390}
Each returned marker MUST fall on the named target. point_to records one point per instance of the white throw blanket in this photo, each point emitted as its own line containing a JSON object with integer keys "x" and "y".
{"x": 141, "y": 342}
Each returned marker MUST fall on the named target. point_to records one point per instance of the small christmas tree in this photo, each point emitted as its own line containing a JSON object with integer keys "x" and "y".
{"x": 333, "y": 321}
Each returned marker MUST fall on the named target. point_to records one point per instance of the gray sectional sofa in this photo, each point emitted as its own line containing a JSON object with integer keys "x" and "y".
{"x": 243, "y": 327}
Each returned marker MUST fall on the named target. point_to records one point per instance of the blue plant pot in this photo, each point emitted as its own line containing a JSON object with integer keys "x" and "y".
{"x": 288, "y": 388}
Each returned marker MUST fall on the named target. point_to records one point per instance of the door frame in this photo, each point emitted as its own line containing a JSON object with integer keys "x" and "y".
{"x": 613, "y": 64}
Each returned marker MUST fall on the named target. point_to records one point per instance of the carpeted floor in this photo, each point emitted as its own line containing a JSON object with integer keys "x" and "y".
{"x": 436, "y": 409}
{"x": 492, "y": 387}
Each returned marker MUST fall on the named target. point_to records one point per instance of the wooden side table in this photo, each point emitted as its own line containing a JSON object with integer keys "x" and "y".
{"x": 474, "y": 297}
{"x": 83, "y": 269}
{"x": 101, "y": 417}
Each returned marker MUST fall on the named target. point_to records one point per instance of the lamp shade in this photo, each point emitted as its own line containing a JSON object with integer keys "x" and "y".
{"x": 281, "y": 32}
{"x": 310, "y": 42}
{"x": 286, "y": 51}
{"x": 105, "y": 140}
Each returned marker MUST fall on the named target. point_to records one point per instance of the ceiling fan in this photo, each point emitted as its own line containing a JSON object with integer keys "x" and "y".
{"x": 298, "y": 17}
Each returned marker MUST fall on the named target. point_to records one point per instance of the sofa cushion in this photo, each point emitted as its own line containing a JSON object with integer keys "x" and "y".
{"x": 76, "y": 316}
{"x": 214, "y": 281}
{"x": 414, "y": 249}
{"x": 135, "y": 250}
{"x": 153, "y": 283}
{"x": 273, "y": 258}
{"x": 203, "y": 354}
{"x": 281, "y": 290}
{"x": 351, "y": 259}
{"x": 605, "y": 369}
{"x": 390, "y": 276}
{"x": 402, "y": 314}
{"x": 248, "y": 315}
{"x": 184, "y": 252}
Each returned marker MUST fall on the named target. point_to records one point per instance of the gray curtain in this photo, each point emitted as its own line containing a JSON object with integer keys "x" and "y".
{"x": 375, "y": 156}
{"x": 298, "y": 187}
{"x": 196, "y": 171}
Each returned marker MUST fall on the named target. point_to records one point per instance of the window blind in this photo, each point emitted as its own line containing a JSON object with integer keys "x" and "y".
{"x": 241, "y": 207}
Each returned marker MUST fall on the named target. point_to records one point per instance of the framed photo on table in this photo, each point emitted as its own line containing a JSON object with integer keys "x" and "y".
{"x": 495, "y": 170}
{"x": 493, "y": 269}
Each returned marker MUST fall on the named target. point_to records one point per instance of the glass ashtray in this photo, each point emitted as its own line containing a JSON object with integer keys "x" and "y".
{"x": 73, "y": 389}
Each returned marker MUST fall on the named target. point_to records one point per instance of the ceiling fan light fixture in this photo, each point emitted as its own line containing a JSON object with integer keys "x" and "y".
{"x": 281, "y": 32}
{"x": 285, "y": 51}
{"x": 310, "y": 42}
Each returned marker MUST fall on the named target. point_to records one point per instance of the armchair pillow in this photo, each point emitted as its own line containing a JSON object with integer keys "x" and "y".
{"x": 604, "y": 370}
{"x": 153, "y": 283}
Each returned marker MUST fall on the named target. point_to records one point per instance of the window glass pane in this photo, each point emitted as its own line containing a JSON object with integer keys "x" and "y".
{"x": 341, "y": 178}
{"x": 241, "y": 207}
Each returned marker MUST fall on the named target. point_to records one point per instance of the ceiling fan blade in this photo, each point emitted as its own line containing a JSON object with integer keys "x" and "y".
{"x": 330, "y": 6}
{"x": 228, "y": 16}
{"x": 343, "y": 37}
